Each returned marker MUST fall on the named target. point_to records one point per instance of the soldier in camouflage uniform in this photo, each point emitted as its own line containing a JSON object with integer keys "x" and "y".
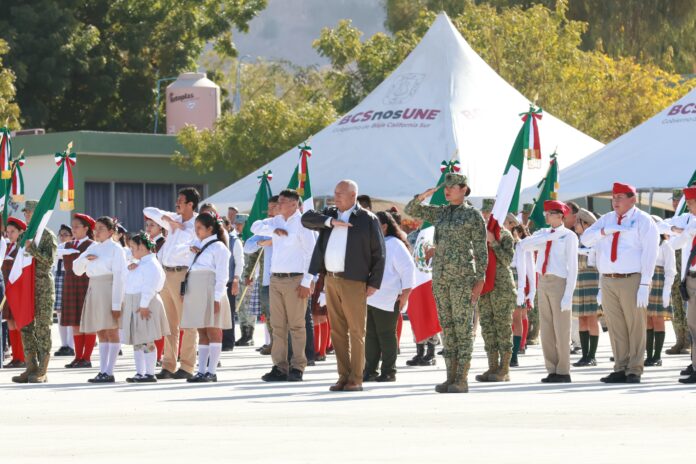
{"x": 459, "y": 267}
{"x": 683, "y": 344}
{"x": 495, "y": 310}
{"x": 36, "y": 336}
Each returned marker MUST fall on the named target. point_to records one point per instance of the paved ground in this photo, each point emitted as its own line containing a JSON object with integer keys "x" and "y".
{"x": 241, "y": 419}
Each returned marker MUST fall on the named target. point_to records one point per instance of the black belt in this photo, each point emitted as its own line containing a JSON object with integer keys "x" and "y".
{"x": 691, "y": 274}
{"x": 620, "y": 276}
{"x": 286, "y": 274}
{"x": 175, "y": 268}
{"x": 336, "y": 275}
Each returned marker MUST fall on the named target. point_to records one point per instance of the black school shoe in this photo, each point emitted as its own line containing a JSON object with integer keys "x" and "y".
{"x": 64, "y": 351}
{"x": 147, "y": 378}
{"x": 136, "y": 378}
{"x": 391, "y": 377}
{"x": 164, "y": 374}
{"x": 295, "y": 375}
{"x": 689, "y": 380}
{"x": 102, "y": 378}
{"x": 558, "y": 378}
{"x": 632, "y": 378}
{"x": 275, "y": 376}
{"x": 549, "y": 378}
{"x": 614, "y": 377}
{"x": 181, "y": 374}
{"x": 198, "y": 378}
{"x": 688, "y": 371}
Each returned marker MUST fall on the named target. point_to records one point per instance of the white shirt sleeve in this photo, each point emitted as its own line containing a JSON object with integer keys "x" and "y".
{"x": 670, "y": 264}
{"x": 537, "y": 241}
{"x": 157, "y": 215}
{"x": 238, "y": 256}
{"x": 594, "y": 233}
{"x": 307, "y": 241}
{"x": 119, "y": 267}
{"x": 80, "y": 264}
{"x": 403, "y": 262}
{"x": 252, "y": 244}
{"x": 151, "y": 280}
{"x": 263, "y": 227}
{"x": 222, "y": 270}
{"x": 650, "y": 239}
{"x": 571, "y": 251}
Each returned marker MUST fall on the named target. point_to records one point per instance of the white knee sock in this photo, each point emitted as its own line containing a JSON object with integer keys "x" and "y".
{"x": 150, "y": 362}
{"x": 139, "y": 356}
{"x": 113, "y": 355}
{"x": 69, "y": 334}
{"x": 103, "y": 356}
{"x": 215, "y": 350}
{"x": 203, "y": 351}
{"x": 267, "y": 334}
{"x": 63, "y": 332}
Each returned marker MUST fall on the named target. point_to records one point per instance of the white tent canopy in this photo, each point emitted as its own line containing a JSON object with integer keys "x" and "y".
{"x": 442, "y": 102}
{"x": 658, "y": 154}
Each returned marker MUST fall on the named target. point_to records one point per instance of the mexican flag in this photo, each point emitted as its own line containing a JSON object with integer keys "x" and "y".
{"x": 681, "y": 207}
{"x": 300, "y": 178}
{"x": 548, "y": 190}
{"x": 20, "y": 285}
{"x": 422, "y": 311}
{"x": 13, "y": 188}
{"x": 259, "y": 210}
{"x": 527, "y": 145}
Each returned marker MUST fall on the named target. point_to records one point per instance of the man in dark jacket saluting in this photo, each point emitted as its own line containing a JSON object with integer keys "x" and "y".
{"x": 350, "y": 252}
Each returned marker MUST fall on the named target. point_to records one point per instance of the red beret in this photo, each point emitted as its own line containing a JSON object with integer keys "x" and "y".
{"x": 21, "y": 225}
{"x": 554, "y": 205}
{"x": 86, "y": 218}
{"x": 690, "y": 193}
{"x": 623, "y": 188}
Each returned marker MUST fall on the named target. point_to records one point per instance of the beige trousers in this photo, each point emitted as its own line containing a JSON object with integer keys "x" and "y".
{"x": 691, "y": 315}
{"x": 174, "y": 307}
{"x": 554, "y": 325}
{"x": 346, "y": 301}
{"x": 626, "y": 322}
{"x": 288, "y": 316}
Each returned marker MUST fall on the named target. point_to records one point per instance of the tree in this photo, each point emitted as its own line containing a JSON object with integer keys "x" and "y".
{"x": 537, "y": 50}
{"x": 9, "y": 111}
{"x": 93, "y": 65}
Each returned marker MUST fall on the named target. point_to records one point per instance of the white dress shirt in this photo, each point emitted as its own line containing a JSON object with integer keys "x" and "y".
{"x": 215, "y": 258}
{"x": 563, "y": 255}
{"x": 523, "y": 261}
{"x": 684, "y": 240}
{"x": 335, "y": 255}
{"x": 176, "y": 251}
{"x": 667, "y": 259}
{"x": 291, "y": 253}
{"x": 252, "y": 246}
{"x": 637, "y": 246}
{"x": 237, "y": 256}
{"x": 111, "y": 260}
{"x": 399, "y": 273}
{"x": 147, "y": 279}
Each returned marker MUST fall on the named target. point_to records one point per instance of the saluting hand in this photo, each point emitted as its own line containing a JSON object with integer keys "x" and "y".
{"x": 132, "y": 266}
{"x": 339, "y": 223}
{"x": 91, "y": 257}
{"x": 174, "y": 225}
{"x": 281, "y": 232}
{"x": 195, "y": 250}
{"x": 427, "y": 193}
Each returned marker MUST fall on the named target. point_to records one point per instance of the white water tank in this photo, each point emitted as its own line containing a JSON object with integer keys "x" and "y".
{"x": 192, "y": 99}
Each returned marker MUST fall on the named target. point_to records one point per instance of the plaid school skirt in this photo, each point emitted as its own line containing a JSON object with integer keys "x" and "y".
{"x": 655, "y": 307}
{"x": 586, "y": 289}
{"x": 60, "y": 275}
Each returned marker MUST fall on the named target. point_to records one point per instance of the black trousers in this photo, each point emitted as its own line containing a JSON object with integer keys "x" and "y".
{"x": 380, "y": 340}
{"x": 228, "y": 338}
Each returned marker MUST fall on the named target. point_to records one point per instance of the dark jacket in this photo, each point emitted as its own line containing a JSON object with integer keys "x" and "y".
{"x": 364, "y": 248}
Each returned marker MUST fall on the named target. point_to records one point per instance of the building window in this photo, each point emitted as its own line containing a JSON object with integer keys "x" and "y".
{"x": 126, "y": 200}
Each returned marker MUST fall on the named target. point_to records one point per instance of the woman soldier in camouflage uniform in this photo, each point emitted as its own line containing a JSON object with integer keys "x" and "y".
{"x": 459, "y": 267}
{"x": 36, "y": 336}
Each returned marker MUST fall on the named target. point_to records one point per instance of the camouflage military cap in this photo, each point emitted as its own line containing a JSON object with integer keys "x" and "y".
{"x": 488, "y": 204}
{"x": 677, "y": 194}
{"x": 452, "y": 179}
{"x": 30, "y": 205}
{"x": 527, "y": 208}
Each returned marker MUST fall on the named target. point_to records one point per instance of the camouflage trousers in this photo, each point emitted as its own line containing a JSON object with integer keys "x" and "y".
{"x": 533, "y": 316}
{"x": 679, "y": 313}
{"x": 495, "y": 317}
{"x": 456, "y": 314}
{"x": 36, "y": 336}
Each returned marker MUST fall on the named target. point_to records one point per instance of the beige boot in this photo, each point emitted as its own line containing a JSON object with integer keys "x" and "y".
{"x": 32, "y": 367}
{"x": 503, "y": 372}
{"x": 492, "y": 367}
{"x": 451, "y": 374}
{"x": 39, "y": 375}
{"x": 679, "y": 345}
{"x": 460, "y": 384}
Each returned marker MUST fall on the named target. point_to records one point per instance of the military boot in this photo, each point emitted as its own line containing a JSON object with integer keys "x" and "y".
{"x": 679, "y": 345}
{"x": 451, "y": 365}
{"x": 492, "y": 368}
{"x": 429, "y": 358}
{"x": 40, "y": 374}
{"x": 503, "y": 372}
{"x": 32, "y": 367}
{"x": 420, "y": 351}
{"x": 460, "y": 384}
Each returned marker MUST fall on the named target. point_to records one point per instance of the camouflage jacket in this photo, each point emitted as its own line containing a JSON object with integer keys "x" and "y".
{"x": 44, "y": 254}
{"x": 460, "y": 239}
{"x": 504, "y": 251}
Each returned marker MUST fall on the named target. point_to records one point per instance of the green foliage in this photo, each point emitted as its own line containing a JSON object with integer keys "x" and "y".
{"x": 9, "y": 111}
{"x": 93, "y": 64}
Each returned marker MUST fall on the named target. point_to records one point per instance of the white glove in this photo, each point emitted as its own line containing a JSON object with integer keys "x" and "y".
{"x": 530, "y": 298}
{"x": 322, "y": 299}
{"x": 520, "y": 297}
{"x": 567, "y": 303}
{"x": 643, "y": 296}
{"x": 599, "y": 297}
{"x": 666, "y": 296}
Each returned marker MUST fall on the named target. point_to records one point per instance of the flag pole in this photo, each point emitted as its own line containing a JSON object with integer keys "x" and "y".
{"x": 246, "y": 287}
{"x": 2, "y": 334}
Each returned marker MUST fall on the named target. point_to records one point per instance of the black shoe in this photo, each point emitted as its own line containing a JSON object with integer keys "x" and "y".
{"x": 575, "y": 350}
{"x": 158, "y": 363}
{"x": 82, "y": 364}
{"x": 612, "y": 359}
{"x": 211, "y": 377}
{"x": 102, "y": 378}
{"x": 689, "y": 380}
{"x": 120, "y": 352}
{"x": 311, "y": 362}
{"x": 688, "y": 371}
{"x": 648, "y": 362}
{"x": 15, "y": 364}
{"x": 147, "y": 378}
{"x": 415, "y": 361}
{"x": 657, "y": 362}
{"x": 320, "y": 358}
{"x": 198, "y": 378}
{"x": 164, "y": 374}
{"x": 582, "y": 362}
{"x": 592, "y": 361}
{"x": 632, "y": 378}
{"x": 427, "y": 361}
{"x": 549, "y": 378}
{"x": 64, "y": 351}
{"x": 276, "y": 375}
{"x": 370, "y": 377}
{"x": 386, "y": 378}
{"x": 181, "y": 374}
{"x": 72, "y": 364}
{"x": 614, "y": 377}
{"x": 560, "y": 379}
{"x": 295, "y": 375}
{"x": 514, "y": 362}
{"x": 135, "y": 379}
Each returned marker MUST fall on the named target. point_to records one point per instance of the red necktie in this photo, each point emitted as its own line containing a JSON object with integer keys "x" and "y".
{"x": 9, "y": 249}
{"x": 615, "y": 243}
{"x": 546, "y": 255}
{"x": 693, "y": 245}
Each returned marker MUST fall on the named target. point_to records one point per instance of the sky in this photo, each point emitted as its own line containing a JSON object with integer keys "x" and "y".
{"x": 286, "y": 28}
